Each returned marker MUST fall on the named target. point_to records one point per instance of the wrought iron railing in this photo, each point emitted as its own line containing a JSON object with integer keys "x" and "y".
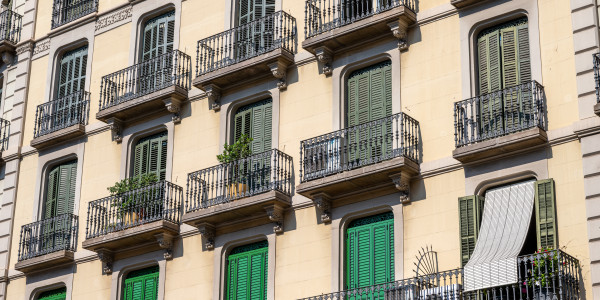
{"x": 267, "y": 171}
{"x": 169, "y": 69}
{"x": 551, "y": 275}
{"x": 499, "y": 113}
{"x": 10, "y": 26}
{"x": 48, "y": 236}
{"x": 61, "y": 113}
{"x": 271, "y": 32}
{"x": 597, "y": 75}
{"x": 324, "y": 15}
{"x": 4, "y": 134}
{"x": 357, "y": 146}
{"x": 157, "y": 201}
{"x": 65, "y": 11}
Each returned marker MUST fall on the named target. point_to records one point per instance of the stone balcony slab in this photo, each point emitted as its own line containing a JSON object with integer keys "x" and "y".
{"x": 49, "y": 260}
{"x": 58, "y": 136}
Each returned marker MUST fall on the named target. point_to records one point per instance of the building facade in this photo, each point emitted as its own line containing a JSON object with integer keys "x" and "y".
{"x": 314, "y": 149}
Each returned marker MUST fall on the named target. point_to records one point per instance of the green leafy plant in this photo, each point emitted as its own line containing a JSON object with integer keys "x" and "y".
{"x": 238, "y": 150}
{"x": 123, "y": 201}
{"x": 545, "y": 266}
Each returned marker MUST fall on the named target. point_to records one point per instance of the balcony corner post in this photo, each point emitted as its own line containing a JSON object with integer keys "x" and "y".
{"x": 106, "y": 257}
{"x": 275, "y": 214}
{"x": 174, "y": 107}
{"x": 279, "y": 71}
{"x": 401, "y": 181}
{"x": 323, "y": 202}
{"x": 207, "y": 231}
{"x": 325, "y": 56}
{"x": 400, "y": 31}
{"x": 213, "y": 93}
{"x": 116, "y": 126}
{"x": 165, "y": 241}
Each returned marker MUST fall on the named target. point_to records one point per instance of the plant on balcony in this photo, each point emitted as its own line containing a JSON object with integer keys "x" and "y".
{"x": 231, "y": 155}
{"x": 544, "y": 271}
{"x": 130, "y": 204}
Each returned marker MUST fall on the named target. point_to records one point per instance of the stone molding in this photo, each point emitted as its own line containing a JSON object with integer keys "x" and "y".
{"x": 41, "y": 48}
{"x": 113, "y": 20}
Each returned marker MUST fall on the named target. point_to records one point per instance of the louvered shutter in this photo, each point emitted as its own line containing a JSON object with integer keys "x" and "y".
{"x": 72, "y": 72}
{"x": 255, "y": 120}
{"x": 247, "y": 272}
{"x": 57, "y": 294}
{"x": 65, "y": 199}
{"x": 150, "y": 156}
{"x": 545, "y": 214}
{"x": 159, "y": 34}
{"x": 141, "y": 284}
{"x": 490, "y": 80}
{"x": 370, "y": 251}
{"x": 52, "y": 193}
{"x": 470, "y": 210}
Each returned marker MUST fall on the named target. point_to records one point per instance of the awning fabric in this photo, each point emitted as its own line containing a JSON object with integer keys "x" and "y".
{"x": 504, "y": 226}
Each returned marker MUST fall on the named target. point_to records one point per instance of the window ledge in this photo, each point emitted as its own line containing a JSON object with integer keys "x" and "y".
{"x": 58, "y": 136}
{"x": 45, "y": 261}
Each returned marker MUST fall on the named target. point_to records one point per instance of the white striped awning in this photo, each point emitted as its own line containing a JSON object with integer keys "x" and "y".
{"x": 504, "y": 226}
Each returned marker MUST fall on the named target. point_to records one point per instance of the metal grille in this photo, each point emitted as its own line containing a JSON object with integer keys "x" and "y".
{"x": 499, "y": 113}
{"x": 61, "y": 113}
{"x": 383, "y": 139}
{"x": 321, "y": 16}
{"x": 65, "y": 11}
{"x": 157, "y": 201}
{"x": 597, "y": 75}
{"x": 170, "y": 69}
{"x": 267, "y": 171}
{"x": 271, "y": 32}
{"x": 4, "y": 134}
{"x": 48, "y": 236}
{"x": 10, "y": 26}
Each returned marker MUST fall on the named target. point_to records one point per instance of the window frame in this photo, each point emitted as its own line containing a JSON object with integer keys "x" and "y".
{"x": 144, "y": 12}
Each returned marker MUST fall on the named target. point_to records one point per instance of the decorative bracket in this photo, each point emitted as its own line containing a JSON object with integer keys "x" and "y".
{"x": 165, "y": 241}
{"x": 279, "y": 71}
{"x": 207, "y": 231}
{"x": 323, "y": 202}
{"x": 116, "y": 126}
{"x": 8, "y": 58}
{"x": 400, "y": 31}
{"x": 213, "y": 93}
{"x": 325, "y": 56}
{"x": 401, "y": 181}
{"x": 174, "y": 107}
{"x": 275, "y": 214}
{"x": 106, "y": 257}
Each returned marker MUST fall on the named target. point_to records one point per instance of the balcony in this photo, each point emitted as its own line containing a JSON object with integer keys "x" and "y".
{"x": 464, "y": 3}
{"x": 65, "y": 11}
{"x": 552, "y": 275}
{"x": 336, "y": 24}
{"x": 500, "y": 122}
{"x": 257, "y": 187}
{"x": 47, "y": 243}
{"x": 10, "y": 31}
{"x": 597, "y": 78}
{"x": 61, "y": 119}
{"x": 4, "y": 134}
{"x": 359, "y": 162}
{"x": 265, "y": 46}
{"x": 144, "y": 219}
{"x": 159, "y": 85}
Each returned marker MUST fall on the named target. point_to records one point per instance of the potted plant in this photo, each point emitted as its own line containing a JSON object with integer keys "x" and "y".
{"x": 544, "y": 272}
{"x": 129, "y": 205}
{"x": 240, "y": 149}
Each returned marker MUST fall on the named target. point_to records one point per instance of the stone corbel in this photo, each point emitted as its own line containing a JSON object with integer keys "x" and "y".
{"x": 213, "y": 93}
{"x": 279, "y": 71}
{"x": 323, "y": 202}
{"x": 174, "y": 107}
{"x": 165, "y": 241}
{"x": 325, "y": 57}
{"x": 8, "y": 58}
{"x": 116, "y": 127}
{"x": 400, "y": 31}
{"x": 106, "y": 257}
{"x": 275, "y": 214}
{"x": 208, "y": 233}
{"x": 401, "y": 181}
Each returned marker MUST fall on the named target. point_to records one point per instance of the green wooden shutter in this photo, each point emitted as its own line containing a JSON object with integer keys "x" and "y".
{"x": 65, "y": 200}
{"x": 57, "y": 294}
{"x": 150, "y": 156}
{"x": 247, "y": 272}
{"x": 370, "y": 251}
{"x": 141, "y": 284}
{"x": 255, "y": 120}
{"x": 159, "y": 34}
{"x": 72, "y": 72}
{"x": 490, "y": 80}
{"x": 52, "y": 193}
{"x": 470, "y": 210}
{"x": 250, "y": 10}
{"x": 545, "y": 214}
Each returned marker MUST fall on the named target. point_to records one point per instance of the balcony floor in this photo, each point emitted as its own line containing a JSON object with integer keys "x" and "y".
{"x": 58, "y": 136}
{"x": 131, "y": 237}
{"x": 42, "y": 262}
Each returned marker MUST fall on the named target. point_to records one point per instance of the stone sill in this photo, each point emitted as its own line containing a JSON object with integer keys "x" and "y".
{"x": 501, "y": 145}
{"x": 463, "y": 3}
{"x": 131, "y": 237}
{"x": 58, "y": 136}
{"x": 53, "y": 259}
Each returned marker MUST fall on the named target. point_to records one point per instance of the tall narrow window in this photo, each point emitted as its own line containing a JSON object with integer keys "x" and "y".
{"x": 251, "y": 39}
{"x": 150, "y": 156}
{"x": 56, "y": 294}
{"x": 255, "y": 120}
{"x": 247, "y": 272}
{"x": 141, "y": 284}
{"x": 159, "y": 34}
{"x": 60, "y": 194}
{"x": 250, "y": 10}
{"x": 370, "y": 251}
{"x": 72, "y": 72}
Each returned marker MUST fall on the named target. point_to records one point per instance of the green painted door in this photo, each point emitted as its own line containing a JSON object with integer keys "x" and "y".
{"x": 470, "y": 210}
{"x": 247, "y": 272}
{"x": 251, "y": 39}
{"x": 60, "y": 200}
{"x": 370, "y": 251}
{"x": 150, "y": 156}
{"x": 72, "y": 72}
{"x": 369, "y": 98}
{"x": 141, "y": 284}
{"x": 503, "y": 63}
{"x": 56, "y": 294}
{"x": 158, "y": 39}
